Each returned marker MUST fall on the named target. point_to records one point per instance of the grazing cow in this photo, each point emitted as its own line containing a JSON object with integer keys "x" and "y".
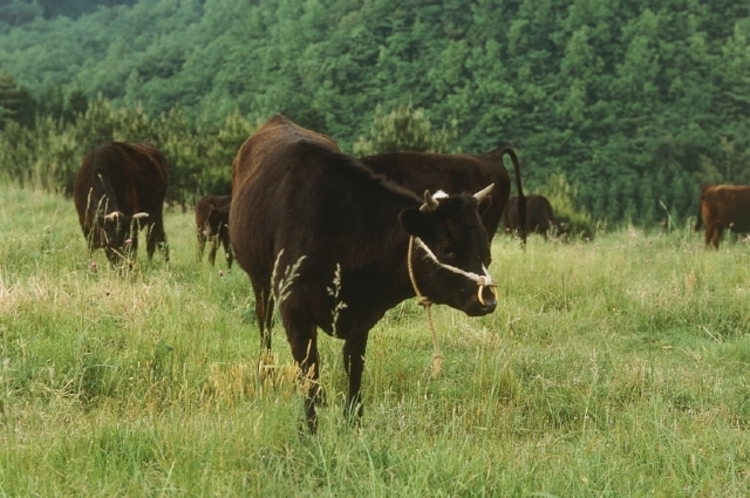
{"x": 455, "y": 174}
{"x": 212, "y": 224}
{"x": 329, "y": 241}
{"x": 723, "y": 206}
{"x": 119, "y": 189}
{"x": 539, "y": 216}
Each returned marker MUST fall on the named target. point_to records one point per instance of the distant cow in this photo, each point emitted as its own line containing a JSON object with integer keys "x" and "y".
{"x": 118, "y": 190}
{"x": 540, "y": 217}
{"x": 303, "y": 212}
{"x": 455, "y": 174}
{"x": 212, "y": 224}
{"x": 723, "y": 206}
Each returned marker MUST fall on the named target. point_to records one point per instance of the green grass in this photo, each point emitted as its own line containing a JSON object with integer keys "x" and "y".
{"x": 617, "y": 367}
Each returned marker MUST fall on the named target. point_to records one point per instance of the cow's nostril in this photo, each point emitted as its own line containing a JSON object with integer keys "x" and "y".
{"x": 488, "y": 296}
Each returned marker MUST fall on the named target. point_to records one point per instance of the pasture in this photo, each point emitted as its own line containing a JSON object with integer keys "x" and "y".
{"x": 617, "y": 367}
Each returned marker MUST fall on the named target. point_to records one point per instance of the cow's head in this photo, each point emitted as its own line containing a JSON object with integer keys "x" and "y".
{"x": 120, "y": 233}
{"x": 450, "y": 248}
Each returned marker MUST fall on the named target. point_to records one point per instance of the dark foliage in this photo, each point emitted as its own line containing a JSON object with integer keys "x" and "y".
{"x": 636, "y": 103}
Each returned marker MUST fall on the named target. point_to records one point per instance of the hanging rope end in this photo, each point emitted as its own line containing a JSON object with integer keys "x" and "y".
{"x": 424, "y": 301}
{"x": 437, "y": 363}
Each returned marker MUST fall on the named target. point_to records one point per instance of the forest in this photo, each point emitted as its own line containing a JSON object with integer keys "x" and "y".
{"x": 630, "y": 105}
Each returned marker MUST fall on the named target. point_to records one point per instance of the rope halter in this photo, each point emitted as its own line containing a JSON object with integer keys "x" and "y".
{"x": 482, "y": 281}
{"x": 425, "y": 302}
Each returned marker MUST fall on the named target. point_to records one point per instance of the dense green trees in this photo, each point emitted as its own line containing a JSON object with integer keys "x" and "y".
{"x": 636, "y": 102}
{"x": 20, "y": 12}
{"x": 16, "y": 102}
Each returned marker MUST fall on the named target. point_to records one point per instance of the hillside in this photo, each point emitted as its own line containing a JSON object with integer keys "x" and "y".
{"x": 637, "y": 103}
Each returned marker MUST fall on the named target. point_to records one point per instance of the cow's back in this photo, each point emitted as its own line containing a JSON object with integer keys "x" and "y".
{"x": 417, "y": 171}
{"x": 143, "y": 169}
{"x": 211, "y": 203}
{"x": 267, "y": 175}
{"x": 539, "y": 214}
{"x": 268, "y": 141}
{"x": 727, "y": 206}
{"x": 451, "y": 173}
{"x": 137, "y": 174}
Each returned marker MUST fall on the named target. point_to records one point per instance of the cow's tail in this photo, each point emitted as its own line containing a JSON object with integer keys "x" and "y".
{"x": 521, "y": 196}
{"x": 699, "y": 219}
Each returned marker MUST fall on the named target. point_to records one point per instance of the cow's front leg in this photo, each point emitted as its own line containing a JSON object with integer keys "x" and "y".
{"x": 202, "y": 238}
{"x": 157, "y": 237}
{"x": 354, "y": 363}
{"x": 131, "y": 247}
{"x": 213, "y": 248}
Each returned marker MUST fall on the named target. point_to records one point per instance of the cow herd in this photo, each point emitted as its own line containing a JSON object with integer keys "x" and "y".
{"x": 334, "y": 241}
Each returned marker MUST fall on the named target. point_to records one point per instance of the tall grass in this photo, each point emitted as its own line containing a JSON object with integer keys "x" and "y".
{"x": 611, "y": 368}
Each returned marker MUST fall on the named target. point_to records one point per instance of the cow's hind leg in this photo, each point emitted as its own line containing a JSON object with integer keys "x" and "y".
{"x": 717, "y": 236}
{"x": 228, "y": 254}
{"x": 302, "y": 336}
{"x": 264, "y": 314}
{"x": 264, "y": 311}
{"x": 713, "y": 235}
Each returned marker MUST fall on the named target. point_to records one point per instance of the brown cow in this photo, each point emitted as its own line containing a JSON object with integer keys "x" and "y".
{"x": 212, "y": 225}
{"x": 540, "y": 217}
{"x": 303, "y": 214}
{"x": 455, "y": 174}
{"x": 723, "y": 206}
{"x": 119, "y": 189}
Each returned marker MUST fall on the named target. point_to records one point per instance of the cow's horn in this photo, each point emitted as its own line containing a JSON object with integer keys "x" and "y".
{"x": 114, "y": 215}
{"x": 429, "y": 202}
{"x": 484, "y": 192}
{"x": 140, "y": 215}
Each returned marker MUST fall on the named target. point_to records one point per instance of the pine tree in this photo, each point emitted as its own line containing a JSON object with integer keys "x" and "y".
{"x": 16, "y": 102}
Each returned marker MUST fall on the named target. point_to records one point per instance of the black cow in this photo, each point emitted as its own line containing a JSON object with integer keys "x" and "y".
{"x": 119, "y": 189}
{"x": 540, "y": 218}
{"x": 455, "y": 174}
{"x": 212, "y": 225}
{"x": 723, "y": 207}
{"x": 302, "y": 212}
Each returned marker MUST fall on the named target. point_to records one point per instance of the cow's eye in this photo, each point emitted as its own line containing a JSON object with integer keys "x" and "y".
{"x": 446, "y": 252}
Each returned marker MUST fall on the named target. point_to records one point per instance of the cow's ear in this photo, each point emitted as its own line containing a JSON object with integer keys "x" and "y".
{"x": 415, "y": 222}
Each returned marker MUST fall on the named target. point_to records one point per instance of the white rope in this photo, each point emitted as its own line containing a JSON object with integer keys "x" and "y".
{"x": 481, "y": 280}
{"x": 424, "y": 301}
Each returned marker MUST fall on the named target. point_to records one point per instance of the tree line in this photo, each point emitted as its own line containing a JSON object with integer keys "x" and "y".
{"x": 634, "y": 103}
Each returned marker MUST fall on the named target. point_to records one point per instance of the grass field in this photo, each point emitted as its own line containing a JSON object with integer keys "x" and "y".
{"x": 617, "y": 367}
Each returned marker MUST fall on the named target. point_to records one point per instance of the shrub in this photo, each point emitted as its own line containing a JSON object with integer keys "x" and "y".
{"x": 404, "y": 128}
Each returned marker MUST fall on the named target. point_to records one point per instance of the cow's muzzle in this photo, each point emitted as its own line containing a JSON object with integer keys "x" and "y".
{"x": 487, "y": 294}
{"x": 483, "y": 302}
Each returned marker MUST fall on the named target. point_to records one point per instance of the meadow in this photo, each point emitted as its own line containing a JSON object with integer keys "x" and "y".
{"x": 612, "y": 367}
